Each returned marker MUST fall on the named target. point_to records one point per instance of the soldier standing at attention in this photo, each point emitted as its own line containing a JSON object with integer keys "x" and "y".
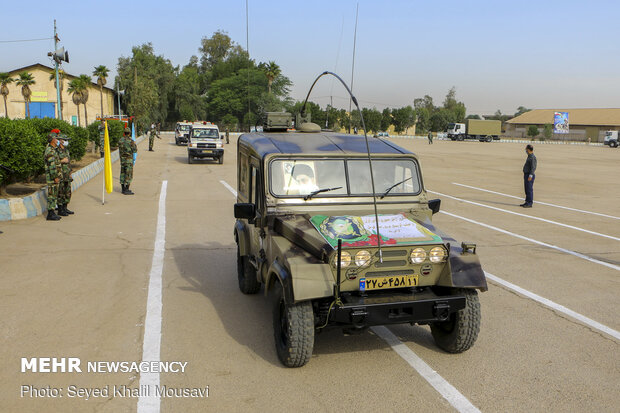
{"x": 430, "y": 137}
{"x": 227, "y": 135}
{"x": 126, "y": 149}
{"x": 53, "y": 172}
{"x": 101, "y": 138}
{"x": 64, "y": 188}
{"x": 528, "y": 176}
{"x": 152, "y": 135}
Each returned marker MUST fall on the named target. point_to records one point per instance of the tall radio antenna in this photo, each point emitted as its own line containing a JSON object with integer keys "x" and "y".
{"x": 357, "y": 9}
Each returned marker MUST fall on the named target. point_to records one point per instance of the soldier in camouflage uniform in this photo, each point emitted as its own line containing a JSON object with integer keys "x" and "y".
{"x": 126, "y": 148}
{"x": 101, "y": 138}
{"x": 53, "y": 173}
{"x": 64, "y": 188}
{"x": 152, "y": 135}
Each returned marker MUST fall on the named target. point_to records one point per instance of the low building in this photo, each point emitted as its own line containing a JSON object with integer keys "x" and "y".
{"x": 584, "y": 124}
{"x": 43, "y": 100}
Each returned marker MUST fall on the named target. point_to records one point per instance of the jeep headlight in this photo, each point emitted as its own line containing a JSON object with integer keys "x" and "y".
{"x": 362, "y": 258}
{"x": 418, "y": 256}
{"x": 218, "y": 145}
{"x": 345, "y": 260}
{"x": 437, "y": 254}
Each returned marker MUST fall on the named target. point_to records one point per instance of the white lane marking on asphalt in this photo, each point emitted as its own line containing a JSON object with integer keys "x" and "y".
{"x": 554, "y": 306}
{"x": 527, "y": 216}
{"x": 152, "y": 323}
{"x": 538, "y": 202}
{"x": 544, "y": 244}
{"x": 447, "y": 391}
{"x": 230, "y": 188}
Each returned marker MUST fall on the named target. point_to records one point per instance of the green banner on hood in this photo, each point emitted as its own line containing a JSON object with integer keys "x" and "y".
{"x": 359, "y": 231}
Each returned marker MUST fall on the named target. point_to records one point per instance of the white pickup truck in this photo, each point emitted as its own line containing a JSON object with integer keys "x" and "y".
{"x": 205, "y": 141}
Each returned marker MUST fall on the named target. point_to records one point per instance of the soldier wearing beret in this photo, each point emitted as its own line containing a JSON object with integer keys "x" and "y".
{"x": 126, "y": 148}
{"x": 53, "y": 173}
{"x": 64, "y": 188}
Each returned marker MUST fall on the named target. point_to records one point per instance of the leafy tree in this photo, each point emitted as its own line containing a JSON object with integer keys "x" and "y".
{"x": 5, "y": 80}
{"x": 532, "y": 131}
{"x": 404, "y": 118}
{"x": 215, "y": 49}
{"x": 101, "y": 72}
{"x": 423, "y": 116}
{"x": 548, "y": 131}
{"x": 473, "y": 117}
{"x": 521, "y": 110}
{"x": 25, "y": 81}
{"x": 372, "y": 118}
{"x": 86, "y": 81}
{"x": 498, "y": 116}
{"x": 75, "y": 89}
{"x": 230, "y": 122}
{"x": 386, "y": 119}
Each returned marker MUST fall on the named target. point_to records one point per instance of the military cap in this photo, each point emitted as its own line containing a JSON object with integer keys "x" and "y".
{"x": 63, "y": 136}
{"x": 51, "y": 136}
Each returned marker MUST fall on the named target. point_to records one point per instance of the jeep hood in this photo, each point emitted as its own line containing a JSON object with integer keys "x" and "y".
{"x": 319, "y": 234}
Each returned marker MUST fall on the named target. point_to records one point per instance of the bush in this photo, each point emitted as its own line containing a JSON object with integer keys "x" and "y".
{"x": 547, "y": 131}
{"x": 23, "y": 141}
{"x": 532, "y": 131}
{"x": 115, "y": 130}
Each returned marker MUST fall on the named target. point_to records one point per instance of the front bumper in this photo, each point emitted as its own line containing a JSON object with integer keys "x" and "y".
{"x": 205, "y": 153}
{"x": 394, "y": 308}
{"x": 183, "y": 139}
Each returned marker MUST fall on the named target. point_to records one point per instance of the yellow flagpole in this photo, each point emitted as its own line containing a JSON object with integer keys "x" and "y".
{"x": 107, "y": 160}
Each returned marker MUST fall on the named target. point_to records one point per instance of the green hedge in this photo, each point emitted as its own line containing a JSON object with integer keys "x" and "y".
{"x": 23, "y": 141}
{"x": 115, "y": 129}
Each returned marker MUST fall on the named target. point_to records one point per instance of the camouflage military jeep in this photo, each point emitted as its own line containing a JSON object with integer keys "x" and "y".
{"x": 305, "y": 199}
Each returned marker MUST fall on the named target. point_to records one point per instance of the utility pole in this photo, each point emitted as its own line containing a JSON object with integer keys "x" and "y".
{"x": 58, "y": 102}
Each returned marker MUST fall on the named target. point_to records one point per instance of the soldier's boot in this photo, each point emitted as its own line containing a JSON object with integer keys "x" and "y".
{"x": 67, "y": 210}
{"x": 102, "y": 154}
{"x": 61, "y": 210}
{"x": 124, "y": 191}
{"x": 51, "y": 215}
{"x": 129, "y": 192}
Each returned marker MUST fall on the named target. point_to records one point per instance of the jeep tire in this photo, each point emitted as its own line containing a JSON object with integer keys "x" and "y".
{"x": 459, "y": 332}
{"x": 189, "y": 159}
{"x": 220, "y": 160}
{"x": 248, "y": 284}
{"x": 293, "y": 328}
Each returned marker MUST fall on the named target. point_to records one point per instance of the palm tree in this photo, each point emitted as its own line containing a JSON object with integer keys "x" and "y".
{"x": 61, "y": 77}
{"x": 75, "y": 89}
{"x": 86, "y": 81}
{"x": 25, "y": 80}
{"x": 5, "y": 80}
{"x": 272, "y": 70}
{"x": 101, "y": 72}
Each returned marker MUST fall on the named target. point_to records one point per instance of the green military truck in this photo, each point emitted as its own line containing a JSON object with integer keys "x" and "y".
{"x": 482, "y": 130}
{"x": 306, "y": 233}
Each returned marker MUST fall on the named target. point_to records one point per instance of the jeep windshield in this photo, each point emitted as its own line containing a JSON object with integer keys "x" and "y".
{"x": 183, "y": 127}
{"x": 300, "y": 177}
{"x": 206, "y": 133}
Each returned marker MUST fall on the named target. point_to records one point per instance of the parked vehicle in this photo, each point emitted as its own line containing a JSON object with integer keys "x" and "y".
{"x": 482, "y": 130}
{"x": 611, "y": 138}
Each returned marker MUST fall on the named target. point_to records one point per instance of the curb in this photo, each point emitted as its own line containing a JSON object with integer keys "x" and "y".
{"x": 36, "y": 204}
{"x": 549, "y": 142}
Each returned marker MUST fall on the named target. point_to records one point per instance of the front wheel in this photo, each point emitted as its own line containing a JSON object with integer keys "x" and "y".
{"x": 613, "y": 144}
{"x": 460, "y": 331}
{"x": 189, "y": 159}
{"x": 220, "y": 160}
{"x": 293, "y": 328}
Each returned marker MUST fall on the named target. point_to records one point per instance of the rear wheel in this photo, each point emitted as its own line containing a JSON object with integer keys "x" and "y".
{"x": 489, "y": 138}
{"x": 460, "y": 331}
{"x": 293, "y": 327}
{"x": 613, "y": 144}
{"x": 248, "y": 284}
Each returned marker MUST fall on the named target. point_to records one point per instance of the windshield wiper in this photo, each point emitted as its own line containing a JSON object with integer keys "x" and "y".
{"x": 318, "y": 191}
{"x": 394, "y": 186}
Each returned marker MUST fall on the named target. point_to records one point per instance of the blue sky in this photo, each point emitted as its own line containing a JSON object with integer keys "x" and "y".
{"x": 498, "y": 55}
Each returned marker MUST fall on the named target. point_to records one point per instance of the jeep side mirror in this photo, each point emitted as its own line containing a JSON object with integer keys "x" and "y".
{"x": 245, "y": 211}
{"x": 222, "y": 136}
{"x": 434, "y": 205}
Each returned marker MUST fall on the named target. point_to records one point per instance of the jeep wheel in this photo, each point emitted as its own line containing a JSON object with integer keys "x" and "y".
{"x": 293, "y": 328}
{"x": 220, "y": 160}
{"x": 248, "y": 284}
{"x": 189, "y": 159}
{"x": 459, "y": 333}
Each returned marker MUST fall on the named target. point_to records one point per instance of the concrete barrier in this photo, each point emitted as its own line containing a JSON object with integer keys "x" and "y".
{"x": 36, "y": 204}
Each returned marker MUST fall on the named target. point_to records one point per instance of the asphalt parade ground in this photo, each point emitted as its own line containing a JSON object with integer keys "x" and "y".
{"x": 153, "y": 276}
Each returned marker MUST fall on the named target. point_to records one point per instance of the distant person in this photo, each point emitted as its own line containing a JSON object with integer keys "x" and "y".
{"x": 101, "y": 128}
{"x": 430, "y": 137}
{"x": 529, "y": 175}
{"x": 152, "y": 135}
{"x": 64, "y": 188}
{"x": 53, "y": 173}
{"x": 126, "y": 148}
{"x": 227, "y": 135}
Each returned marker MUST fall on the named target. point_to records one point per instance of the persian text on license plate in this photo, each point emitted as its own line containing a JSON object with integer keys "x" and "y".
{"x": 381, "y": 283}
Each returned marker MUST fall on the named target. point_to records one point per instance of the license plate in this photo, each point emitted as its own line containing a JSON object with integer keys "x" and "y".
{"x": 383, "y": 283}
{"x": 205, "y": 151}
